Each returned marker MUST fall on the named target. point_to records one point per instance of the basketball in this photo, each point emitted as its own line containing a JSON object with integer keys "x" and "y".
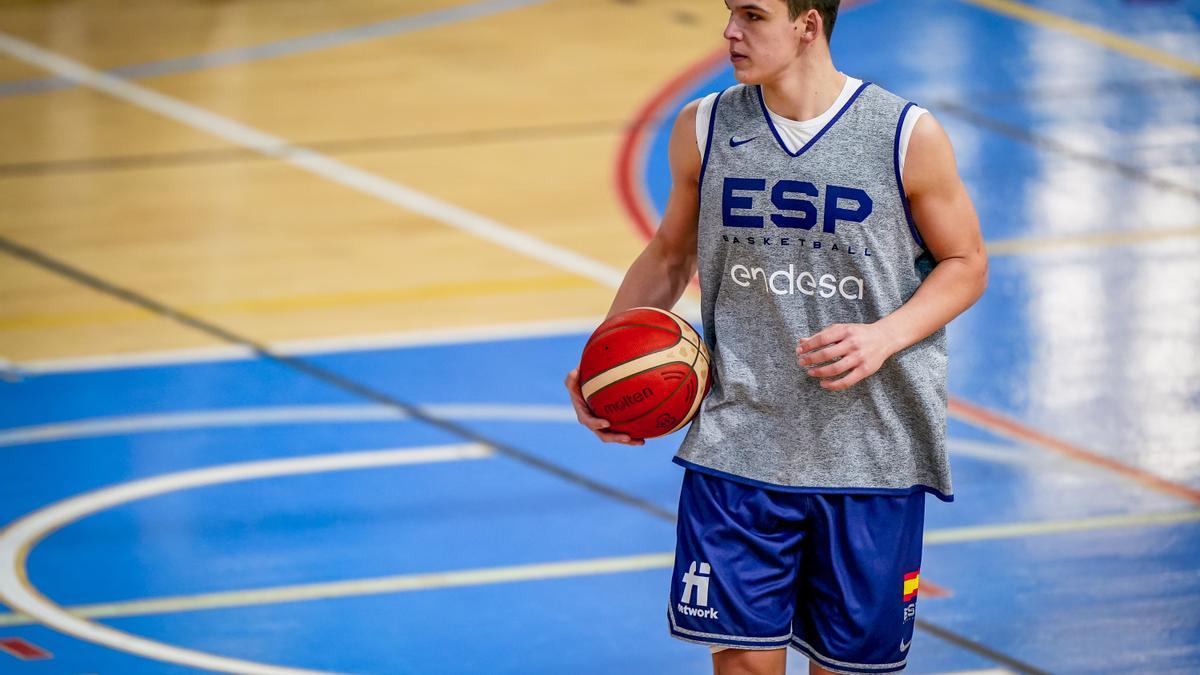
{"x": 644, "y": 370}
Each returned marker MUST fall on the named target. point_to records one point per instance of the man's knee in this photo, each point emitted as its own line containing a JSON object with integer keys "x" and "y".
{"x": 749, "y": 661}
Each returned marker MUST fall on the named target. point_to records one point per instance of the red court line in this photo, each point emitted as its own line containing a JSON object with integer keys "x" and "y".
{"x": 1009, "y": 428}
{"x": 630, "y": 183}
{"x": 931, "y": 590}
{"x": 24, "y": 650}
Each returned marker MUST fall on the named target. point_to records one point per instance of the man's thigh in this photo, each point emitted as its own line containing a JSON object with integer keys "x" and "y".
{"x": 734, "y": 581}
{"x": 857, "y": 587}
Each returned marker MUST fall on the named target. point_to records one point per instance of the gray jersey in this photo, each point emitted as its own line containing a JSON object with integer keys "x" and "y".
{"x": 788, "y": 245}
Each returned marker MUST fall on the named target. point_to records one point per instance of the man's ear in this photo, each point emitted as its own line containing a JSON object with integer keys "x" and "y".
{"x": 808, "y": 25}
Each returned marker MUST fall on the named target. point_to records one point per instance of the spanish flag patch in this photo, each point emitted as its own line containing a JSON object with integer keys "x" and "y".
{"x": 911, "y": 581}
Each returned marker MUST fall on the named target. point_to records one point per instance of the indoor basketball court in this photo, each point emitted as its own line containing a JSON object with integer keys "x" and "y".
{"x": 288, "y": 290}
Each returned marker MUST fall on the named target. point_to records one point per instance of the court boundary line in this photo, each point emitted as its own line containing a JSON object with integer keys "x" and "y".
{"x": 261, "y": 416}
{"x": 292, "y": 46}
{"x": 426, "y": 581}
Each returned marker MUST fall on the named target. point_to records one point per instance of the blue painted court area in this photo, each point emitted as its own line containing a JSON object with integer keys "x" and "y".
{"x": 1019, "y": 592}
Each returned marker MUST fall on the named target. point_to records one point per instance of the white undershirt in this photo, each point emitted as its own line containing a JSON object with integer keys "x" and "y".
{"x": 795, "y": 133}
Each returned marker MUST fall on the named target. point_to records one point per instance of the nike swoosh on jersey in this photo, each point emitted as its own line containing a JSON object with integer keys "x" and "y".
{"x": 904, "y": 645}
{"x": 734, "y": 143}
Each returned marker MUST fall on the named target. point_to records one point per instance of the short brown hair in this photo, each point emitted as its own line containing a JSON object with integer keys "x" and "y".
{"x": 828, "y": 10}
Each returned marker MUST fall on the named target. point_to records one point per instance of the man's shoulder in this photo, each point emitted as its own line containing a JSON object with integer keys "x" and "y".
{"x": 886, "y": 96}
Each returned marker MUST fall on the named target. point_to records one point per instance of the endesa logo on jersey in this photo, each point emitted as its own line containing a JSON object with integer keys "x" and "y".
{"x": 790, "y": 282}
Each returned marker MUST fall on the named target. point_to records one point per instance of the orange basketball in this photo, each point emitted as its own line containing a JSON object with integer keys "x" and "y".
{"x": 645, "y": 370}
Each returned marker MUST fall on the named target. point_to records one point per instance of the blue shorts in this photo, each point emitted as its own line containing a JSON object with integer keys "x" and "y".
{"x": 833, "y": 575}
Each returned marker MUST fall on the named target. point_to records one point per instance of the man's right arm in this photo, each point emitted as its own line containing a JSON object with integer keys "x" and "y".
{"x": 660, "y": 275}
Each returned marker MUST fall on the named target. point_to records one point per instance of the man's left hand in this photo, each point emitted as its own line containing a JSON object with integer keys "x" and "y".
{"x": 844, "y": 354}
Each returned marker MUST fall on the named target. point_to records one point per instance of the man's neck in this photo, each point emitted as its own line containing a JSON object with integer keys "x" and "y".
{"x": 805, "y": 90}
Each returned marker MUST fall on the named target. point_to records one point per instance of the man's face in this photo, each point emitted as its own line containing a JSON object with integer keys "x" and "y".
{"x": 762, "y": 40}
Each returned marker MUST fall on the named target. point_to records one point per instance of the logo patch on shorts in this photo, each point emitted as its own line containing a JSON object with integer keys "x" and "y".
{"x": 911, "y": 581}
{"x": 698, "y": 582}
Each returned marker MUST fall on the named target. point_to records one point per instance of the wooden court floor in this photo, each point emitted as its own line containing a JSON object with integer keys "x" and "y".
{"x": 372, "y": 184}
{"x": 513, "y": 117}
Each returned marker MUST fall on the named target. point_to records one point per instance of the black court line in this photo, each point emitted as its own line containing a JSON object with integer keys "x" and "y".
{"x": 346, "y": 384}
{"x": 332, "y": 378}
{"x": 1050, "y": 145}
{"x": 981, "y": 649}
{"x": 1087, "y": 91}
{"x": 566, "y": 131}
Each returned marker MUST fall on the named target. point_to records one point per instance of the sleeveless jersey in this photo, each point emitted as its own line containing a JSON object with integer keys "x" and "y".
{"x": 790, "y": 243}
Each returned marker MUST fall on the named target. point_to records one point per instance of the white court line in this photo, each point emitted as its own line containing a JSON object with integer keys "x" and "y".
{"x": 323, "y": 166}
{"x": 121, "y": 425}
{"x": 540, "y": 571}
{"x": 313, "y": 162}
{"x": 443, "y": 336}
{"x": 18, "y": 540}
{"x": 1014, "y": 454}
{"x": 242, "y": 417}
{"x": 165, "y": 357}
{"x": 1016, "y": 530}
{"x": 320, "y": 165}
{"x": 378, "y": 586}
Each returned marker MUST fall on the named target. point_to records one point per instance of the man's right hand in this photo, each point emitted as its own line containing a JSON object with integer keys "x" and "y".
{"x": 584, "y": 414}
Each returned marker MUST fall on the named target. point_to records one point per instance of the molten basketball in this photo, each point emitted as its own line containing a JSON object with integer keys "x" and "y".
{"x": 644, "y": 370}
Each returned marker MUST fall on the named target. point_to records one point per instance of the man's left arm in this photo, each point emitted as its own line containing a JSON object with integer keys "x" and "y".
{"x": 948, "y": 224}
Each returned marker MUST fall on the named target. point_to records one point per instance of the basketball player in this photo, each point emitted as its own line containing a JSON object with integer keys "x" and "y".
{"x": 834, "y": 241}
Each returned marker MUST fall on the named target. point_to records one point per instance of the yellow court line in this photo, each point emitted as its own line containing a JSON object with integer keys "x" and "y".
{"x": 542, "y": 571}
{"x": 1091, "y": 33}
{"x": 1028, "y": 245}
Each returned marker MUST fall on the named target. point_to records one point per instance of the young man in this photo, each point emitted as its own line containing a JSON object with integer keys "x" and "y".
{"x": 834, "y": 241}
